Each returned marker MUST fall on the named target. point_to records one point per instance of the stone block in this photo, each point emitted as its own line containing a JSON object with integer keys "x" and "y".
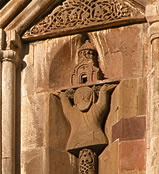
{"x": 129, "y": 129}
{"x": 128, "y": 98}
{"x": 108, "y": 160}
{"x": 142, "y": 96}
{"x": 41, "y": 66}
{"x": 115, "y": 48}
{"x": 132, "y": 155}
{"x": 110, "y": 62}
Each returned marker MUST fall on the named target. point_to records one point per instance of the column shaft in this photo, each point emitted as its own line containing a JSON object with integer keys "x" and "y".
{"x": 8, "y": 117}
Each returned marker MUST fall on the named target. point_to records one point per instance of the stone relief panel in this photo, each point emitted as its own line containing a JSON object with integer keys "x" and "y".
{"x": 107, "y": 52}
{"x": 82, "y": 14}
{"x": 89, "y": 108}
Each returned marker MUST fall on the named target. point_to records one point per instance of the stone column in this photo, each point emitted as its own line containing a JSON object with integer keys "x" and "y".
{"x": 9, "y": 59}
{"x": 152, "y": 165}
{"x": 8, "y": 112}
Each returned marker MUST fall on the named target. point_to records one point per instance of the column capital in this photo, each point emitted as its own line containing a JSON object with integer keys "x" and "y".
{"x": 8, "y": 55}
{"x": 152, "y": 16}
{"x": 10, "y": 46}
{"x": 13, "y": 42}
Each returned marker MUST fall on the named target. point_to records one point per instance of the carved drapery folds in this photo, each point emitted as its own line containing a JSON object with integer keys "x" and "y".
{"x": 80, "y": 14}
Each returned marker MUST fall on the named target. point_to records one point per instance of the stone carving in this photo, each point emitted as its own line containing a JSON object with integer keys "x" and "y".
{"x": 86, "y": 71}
{"x": 86, "y": 118}
{"x": 87, "y": 162}
{"x": 82, "y": 13}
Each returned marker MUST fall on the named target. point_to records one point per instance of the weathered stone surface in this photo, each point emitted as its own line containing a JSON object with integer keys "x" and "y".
{"x": 35, "y": 161}
{"x": 41, "y": 66}
{"x": 27, "y": 80}
{"x": 59, "y": 54}
{"x": 59, "y": 128}
{"x": 62, "y": 162}
{"x": 132, "y": 155}
{"x": 34, "y": 111}
{"x": 128, "y": 98}
{"x": 108, "y": 160}
{"x": 114, "y": 47}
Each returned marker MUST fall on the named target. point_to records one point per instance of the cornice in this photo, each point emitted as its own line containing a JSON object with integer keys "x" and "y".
{"x": 22, "y": 15}
{"x": 73, "y": 17}
{"x": 10, "y": 10}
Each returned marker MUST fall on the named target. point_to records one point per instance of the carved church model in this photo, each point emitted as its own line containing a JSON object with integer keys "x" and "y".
{"x": 87, "y": 70}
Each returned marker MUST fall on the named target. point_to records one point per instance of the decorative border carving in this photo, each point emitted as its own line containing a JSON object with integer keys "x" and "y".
{"x": 72, "y": 15}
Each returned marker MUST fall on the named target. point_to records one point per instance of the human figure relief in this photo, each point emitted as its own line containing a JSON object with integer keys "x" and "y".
{"x": 86, "y": 118}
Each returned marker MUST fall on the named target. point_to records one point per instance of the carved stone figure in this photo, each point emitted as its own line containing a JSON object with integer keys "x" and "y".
{"x": 86, "y": 118}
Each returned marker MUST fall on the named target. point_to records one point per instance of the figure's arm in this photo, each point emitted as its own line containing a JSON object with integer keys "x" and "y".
{"x": 66, "y": 105}
{"x": 104, "y": 97}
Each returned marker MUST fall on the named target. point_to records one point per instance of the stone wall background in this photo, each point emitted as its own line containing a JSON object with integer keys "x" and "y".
{"x": 47, "y": 66}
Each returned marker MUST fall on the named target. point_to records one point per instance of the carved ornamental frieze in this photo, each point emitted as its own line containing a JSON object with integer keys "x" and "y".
{"x": 84, "y": 15}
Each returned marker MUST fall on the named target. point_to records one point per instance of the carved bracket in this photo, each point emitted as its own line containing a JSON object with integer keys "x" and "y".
{"x": 85, "y": 15}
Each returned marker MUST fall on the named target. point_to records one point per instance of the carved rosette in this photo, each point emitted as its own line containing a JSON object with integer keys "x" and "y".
{"x": 80, "y": 14}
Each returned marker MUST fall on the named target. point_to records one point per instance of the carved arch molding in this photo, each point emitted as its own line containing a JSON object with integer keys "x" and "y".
{"x": 85, "y": 15}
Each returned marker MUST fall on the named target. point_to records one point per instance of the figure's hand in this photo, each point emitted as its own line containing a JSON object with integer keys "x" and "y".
{"x": 61, "y": 94}
{"x": 108, "y": 88}
{"x": 57, "y": 93}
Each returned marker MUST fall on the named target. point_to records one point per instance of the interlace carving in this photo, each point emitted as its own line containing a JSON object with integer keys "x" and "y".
{"x": 82, "y": 13}
{"x": 87, "y": 162}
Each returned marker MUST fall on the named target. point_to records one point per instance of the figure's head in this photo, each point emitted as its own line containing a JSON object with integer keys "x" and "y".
{"x": 83, "y": 98}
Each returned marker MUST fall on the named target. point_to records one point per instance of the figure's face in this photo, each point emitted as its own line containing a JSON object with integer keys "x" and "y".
{"x": 83, "y": 98}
